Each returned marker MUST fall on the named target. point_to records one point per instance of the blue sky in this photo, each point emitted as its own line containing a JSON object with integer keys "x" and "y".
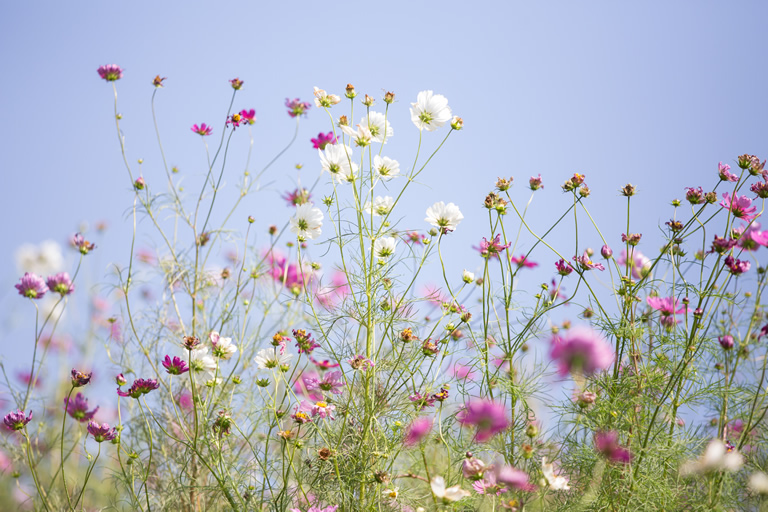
{"x": 652, "y": 93}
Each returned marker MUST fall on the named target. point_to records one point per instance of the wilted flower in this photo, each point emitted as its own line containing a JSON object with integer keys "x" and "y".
{"x": 175, "y": 366}
{"x": 607, "y": 443}
{"x": 632, "y": 238}
{"x": 489, "y": 417}
{"x": 535, "y": 183}
{"x": 307, "y": 221}
{"x": 304, "y": 341}
{"x": 83, "y": 245}
{"x": 110, "y": 72}
{"x": 79, "y": 378}
{"x": 563, "y": 267}
{"x": 203, "y": 129}
{"x": 17, "y": 420}
{"x": 32, "y": 286}
{"x": 717, "y": 457}
{"x": 582, "y": 350}
{"x": 430, "y": 111}
{"x": 360, "y": 362}
{"x": 725, "y": 175}
{"x": 101, "y": 432}
{"x": 78, "y": 408}
{"x": 236, "y": 84}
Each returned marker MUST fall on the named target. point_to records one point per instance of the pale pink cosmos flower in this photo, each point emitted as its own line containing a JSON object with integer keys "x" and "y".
{"x": 461, "y": 371}
{"x": 639, "y": 264}
{"x": 587, "y": 264}
{"x": 749, "y": 238}
{"x": 741, "y": 207}
{"x": 489, "y": 417}
{"x": 416, "y": 431}
{"x": 723, "y": 170}
{"x": 581, "y": 349}
{"x": 513, "y": 477}
{"x": 489, "y": 484}
{"x": 666, "y": 306}
{"x": 60, "y": 283}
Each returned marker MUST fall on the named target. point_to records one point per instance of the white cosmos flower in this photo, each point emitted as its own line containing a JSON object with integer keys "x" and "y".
{"x": 269, "y": 358}
{"x": 556, "y": 483}
{"x": 467, "y": 276}
{"x": 384, "y": 247}
{"x": 307, "y": 221}
{"x": 375, "y": 121}
{"x": 44, "y": 259}
{"x": 362, "y": 136}
{"x": 385, "y": 167}
{"x": 223, "y": 348}
{"x": 454, "y": 493}
{"x": 323, "y": 99}
{"x": 430, "y": 111}
{"x": 758, "y": 482}
{"x": 202, "y": 363}
{"x": 381, "y": 206}
{"x": 337, "y": 159}
{"x": 443, "y": 215}
{"x": 716, "y": 457}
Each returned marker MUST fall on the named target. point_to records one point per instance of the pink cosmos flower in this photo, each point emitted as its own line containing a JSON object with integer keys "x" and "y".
{"x": 319, "y": 408}
{"x": 522, "y": 261}
{"x": 581, "y": 349}
{"x": 493, "y": 248}
{"x": 513, "y": 477}
{"x": 80, "y": 379}
{"x": 82, "y": 245}
{"x": 462, "y": 372}
{"x": 413, "y": 237}
{"x": 16, "y": 420}
{"x": 298, "y": 197}
{"x": 78, "y": 408}
{"x": 489, "y": 484}
{"x": 203, "y": 129}
{"x": 331, "y": 381}
{"x": 31, "y": 286}
{"x": 248, "y": 116}
{"x": 304, "y": 385}
{"x": 724, "y": 172}
{"x": 749, "y": 239}
{"x": 420, "y": 402}
{"x": 110, "y": 72}
{"x": 416, "y": 431}
{"x": 722, "y": 245}
{"x": 328, "y": 296}
{"x": 323, "y": 139}
{"x": 586, "y": 264}
{"x": 360, "y": 362}
{"x": 304, "y": 341}
{"x": 101, "y": 432}
{"x": 324, "y": 364}
{"x": 60, "y": 283}
{"x": 535, "y": 183}
{"x": 760, "y": 189}
{"x": 607, "y": 443}
{"x": 741, "y": 207}
{"x": 489, "y": 417}
{"x": 639, "y": 264}
{"x": 296, "y": 107}
{"x": 666, "y": 306}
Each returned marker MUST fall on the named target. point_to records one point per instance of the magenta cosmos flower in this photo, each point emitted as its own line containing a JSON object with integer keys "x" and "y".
{"x": 60, "y": 283}
{"x": 581, "y": 349}
{"x": 101, "y": 432}
{"x": 296, "y": 107}
{"x": 248, "y": 116}
{"x": 741, "y": 207}
{"x": 489, "y": 417}
{"x": 323, "y": 139}
{"x": 32, "y": 286}
{"x": 416, "y": 431}
{"x": 607, "y": 443}
{"x": 17, "y": 420}
{"x": 80, "y": 379}
{"x": 110, "y": 72}
{"x": 175, "y": 366}
{"x": 139, "y": 387}
{"x": 736, "y": 267}
{"x": 666, "y": 306}
{"x": 78, "y": 408}
{"x": 563, "y": 267}
{"x": 203, "y": 129}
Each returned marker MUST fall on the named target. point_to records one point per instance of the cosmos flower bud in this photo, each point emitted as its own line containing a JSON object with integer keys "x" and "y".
{"x": 350, "y": 91}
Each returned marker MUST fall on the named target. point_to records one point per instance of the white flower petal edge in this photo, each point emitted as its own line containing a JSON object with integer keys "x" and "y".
{"x": 430, "y": 111}
{"x": 307, "y": 221}
{"x": 443, "y": 215}
{"x": 454, "y": 493}
{"x": 556, "y": 483}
